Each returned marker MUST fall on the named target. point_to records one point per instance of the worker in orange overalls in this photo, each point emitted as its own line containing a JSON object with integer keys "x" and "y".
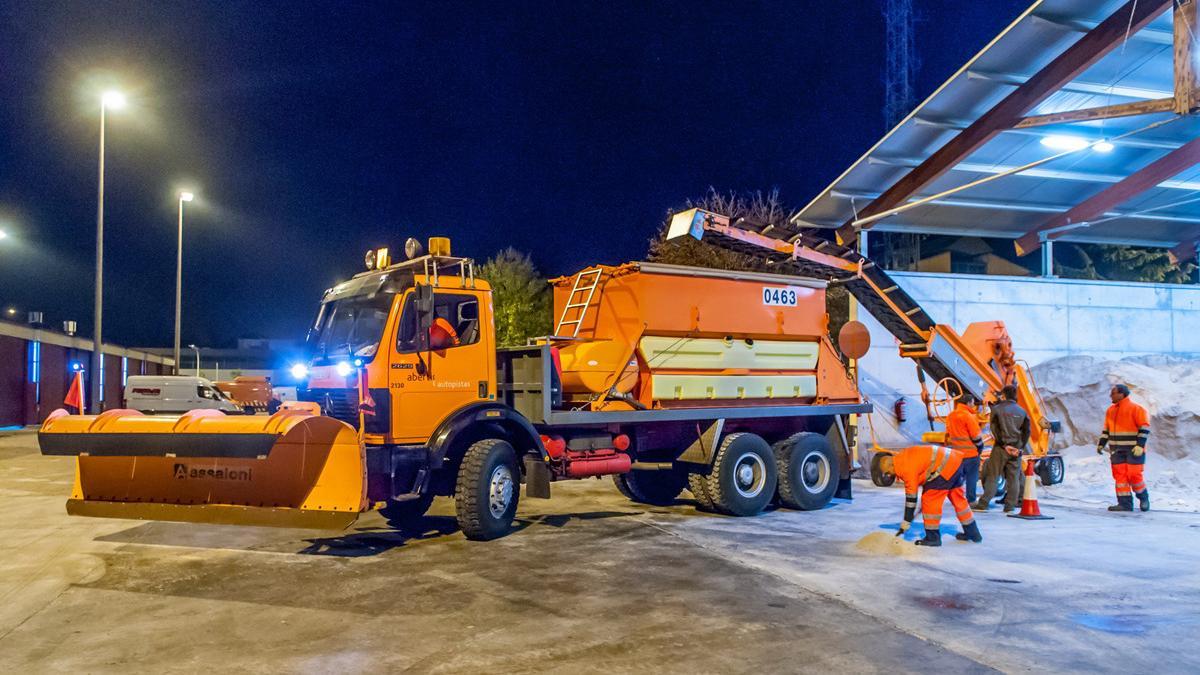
{"x": 938, "y": 472}
{"x": 1126, "y": 431}
{"x": 966, "y": 438}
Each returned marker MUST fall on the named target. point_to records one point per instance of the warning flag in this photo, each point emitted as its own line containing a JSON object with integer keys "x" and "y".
{"x": 74, "y": 400}
{"x": 365, "y": 402}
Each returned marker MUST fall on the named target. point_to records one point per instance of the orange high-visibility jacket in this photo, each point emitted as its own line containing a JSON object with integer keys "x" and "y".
{"x": 963, "y": 432}
{"x": 1126, "y": 425}
{"x": 921, "y": 463}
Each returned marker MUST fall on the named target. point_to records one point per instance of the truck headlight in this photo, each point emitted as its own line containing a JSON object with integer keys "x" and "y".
{"x": 299, "y": 371}
{"x": 344, "y": 369}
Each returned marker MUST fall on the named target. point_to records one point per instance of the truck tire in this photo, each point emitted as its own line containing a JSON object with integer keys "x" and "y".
{"x": 1051, "y": 470}
{"x": 657, "y": 488}
{"x": 407, "y": 514}
{"x": 878, "y": 475}
{"x": 743, "y": 477}
{"x": 487, "y": 490}
{"x": 808, "y": 471}
{"x": 698, "y": 486}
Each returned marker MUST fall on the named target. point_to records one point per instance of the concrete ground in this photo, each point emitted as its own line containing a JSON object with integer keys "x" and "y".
{"x": 590, "y": 583}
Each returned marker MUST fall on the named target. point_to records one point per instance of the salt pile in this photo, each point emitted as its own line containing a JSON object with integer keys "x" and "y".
{"x": 1075, "y": 389}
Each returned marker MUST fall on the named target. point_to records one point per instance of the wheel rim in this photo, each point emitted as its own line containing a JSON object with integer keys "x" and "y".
{"x": 500, "y": 490}
{"x": 1056, "y": 470}
{"x": 749, "y": 475}
{"x": 815, "y": 472}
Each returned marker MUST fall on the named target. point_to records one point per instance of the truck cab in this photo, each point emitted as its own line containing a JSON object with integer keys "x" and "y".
{"x": 403, "y": 347}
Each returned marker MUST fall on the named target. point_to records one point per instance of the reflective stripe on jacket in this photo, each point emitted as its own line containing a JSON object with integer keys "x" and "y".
{"x": 1126, "y": 425}
{"x": 917, "y": 465}
{"x": 963, "y": 433}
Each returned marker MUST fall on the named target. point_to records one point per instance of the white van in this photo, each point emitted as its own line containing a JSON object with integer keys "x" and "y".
{"x": 152, "y": 394}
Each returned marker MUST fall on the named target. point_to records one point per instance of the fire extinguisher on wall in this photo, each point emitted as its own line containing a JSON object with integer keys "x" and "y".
{"x": 900, "y": 409}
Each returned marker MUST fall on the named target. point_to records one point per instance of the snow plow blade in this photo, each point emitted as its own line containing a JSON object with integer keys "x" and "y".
{"x": 292, "y": 469}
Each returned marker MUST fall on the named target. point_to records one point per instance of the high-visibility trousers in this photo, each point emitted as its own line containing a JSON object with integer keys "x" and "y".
{"x": 933, "y": 499}
{"x": 1127, "y": 472}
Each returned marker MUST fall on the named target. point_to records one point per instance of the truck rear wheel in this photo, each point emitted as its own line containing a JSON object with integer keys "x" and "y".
{"x": 878, "y": 475}
{"x": 488, "y": 489}
{"x": 405, "y": 515}
{"x": 807, "y": 471}
{"x": 743, "y": 477}
{"x": 657, "y": 488}
{"x": 698, "y": 486}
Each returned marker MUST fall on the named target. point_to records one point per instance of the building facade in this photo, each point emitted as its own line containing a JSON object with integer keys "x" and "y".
{"x": 36, "y": 368}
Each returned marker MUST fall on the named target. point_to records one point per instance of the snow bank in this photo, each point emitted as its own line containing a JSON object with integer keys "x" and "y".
{"x": 1075, "y": 389}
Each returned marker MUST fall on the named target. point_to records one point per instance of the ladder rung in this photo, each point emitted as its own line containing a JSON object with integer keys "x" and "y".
{"x": 912, "y": 311}
{"x": 890, "y": 289}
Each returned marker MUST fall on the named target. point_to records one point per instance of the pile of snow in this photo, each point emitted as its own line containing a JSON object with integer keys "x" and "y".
{"x": 1076, "y": 392}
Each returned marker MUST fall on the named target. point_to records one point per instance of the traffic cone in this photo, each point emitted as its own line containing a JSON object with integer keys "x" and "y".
{"x": 1029, "y": 503}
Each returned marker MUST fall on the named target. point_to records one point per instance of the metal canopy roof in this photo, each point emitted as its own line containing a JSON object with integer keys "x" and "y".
{"x": 1139, "y": 68}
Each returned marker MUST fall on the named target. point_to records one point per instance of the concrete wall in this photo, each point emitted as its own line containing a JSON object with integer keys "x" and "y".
{"x": 1047, "y": 318}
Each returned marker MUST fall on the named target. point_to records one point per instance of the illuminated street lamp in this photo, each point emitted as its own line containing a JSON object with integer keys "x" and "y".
{"x": 184, "y": 196}
{"x": 3, "y": 235}
{"x": 197, "y": 350}
{"x": 110, "y": 100}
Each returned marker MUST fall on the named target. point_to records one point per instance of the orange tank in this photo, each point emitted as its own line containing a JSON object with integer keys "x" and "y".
{"x": 652, "y": 335}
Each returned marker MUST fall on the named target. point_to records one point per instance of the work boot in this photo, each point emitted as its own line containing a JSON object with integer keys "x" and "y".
{"x": 1143, "y": 500}
{"x": 1009, "y": 509}
{"x": 932, "y": 538}
{"x": 981, "y": 506}
{"x": 970, "y": 533}
{"x": 1124, "y": 503}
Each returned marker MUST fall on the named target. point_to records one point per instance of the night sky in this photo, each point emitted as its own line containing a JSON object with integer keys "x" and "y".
{"x": 313, "y": 131}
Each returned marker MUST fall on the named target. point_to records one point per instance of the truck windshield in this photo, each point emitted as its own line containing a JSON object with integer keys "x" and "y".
{"x": 349, "y": 327}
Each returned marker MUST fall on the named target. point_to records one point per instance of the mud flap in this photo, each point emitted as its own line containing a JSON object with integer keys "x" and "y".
{"x": 537, "y": 478}
{"x": 704, "y": 448}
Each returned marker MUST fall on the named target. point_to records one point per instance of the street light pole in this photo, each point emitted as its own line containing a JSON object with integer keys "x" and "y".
{"x": 114, "y": 100}
{"x": 197, "y": 359}
{"x": 183, "y": 197}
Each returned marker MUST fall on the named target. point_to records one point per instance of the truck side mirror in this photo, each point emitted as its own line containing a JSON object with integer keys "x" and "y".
{"x": 423, "y": 304}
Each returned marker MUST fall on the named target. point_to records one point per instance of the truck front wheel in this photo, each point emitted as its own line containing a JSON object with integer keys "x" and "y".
{"x": 657, "y": 488}
{"x": 488, "y": 489}
{"x": 743, "y": 478}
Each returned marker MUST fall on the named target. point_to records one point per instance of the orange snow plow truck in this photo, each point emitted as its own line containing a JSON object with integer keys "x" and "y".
{"x": 663, "y": 377}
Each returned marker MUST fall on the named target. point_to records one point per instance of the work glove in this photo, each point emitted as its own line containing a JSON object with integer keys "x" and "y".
{"x": 904, "y": 525}
{"x": 1138, "y": 451}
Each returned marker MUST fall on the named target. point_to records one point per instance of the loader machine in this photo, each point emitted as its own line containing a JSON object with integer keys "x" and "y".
{"x": 980, "y": 360}
{"x": 664, "y": 377}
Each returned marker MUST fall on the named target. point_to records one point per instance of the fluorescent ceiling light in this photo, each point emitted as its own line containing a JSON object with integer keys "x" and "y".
{"x": 1058, "y": 142}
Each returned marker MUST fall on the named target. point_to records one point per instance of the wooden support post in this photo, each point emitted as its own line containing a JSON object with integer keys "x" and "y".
{"x": 1185, "y": 55}
{"x": 1098, "y": 42}
{"x": 1157, "y": 105}
{"x": 1171, "y": 164}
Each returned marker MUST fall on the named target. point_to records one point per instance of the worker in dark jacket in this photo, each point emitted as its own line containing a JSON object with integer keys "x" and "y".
{"x": 1010, "y": 436}
{"x": 1126, "y": 431}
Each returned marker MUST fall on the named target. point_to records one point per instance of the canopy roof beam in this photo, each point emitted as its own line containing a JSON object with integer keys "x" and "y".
{"x": 1152, "y": 175}
{"x": 1101, "y": 40}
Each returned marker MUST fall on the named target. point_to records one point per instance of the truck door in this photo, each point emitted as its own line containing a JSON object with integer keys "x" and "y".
{"x": 455, "y": 370}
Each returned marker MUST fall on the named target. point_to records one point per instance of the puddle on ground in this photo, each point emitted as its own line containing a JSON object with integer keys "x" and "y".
{"x": 955, "y": 602}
